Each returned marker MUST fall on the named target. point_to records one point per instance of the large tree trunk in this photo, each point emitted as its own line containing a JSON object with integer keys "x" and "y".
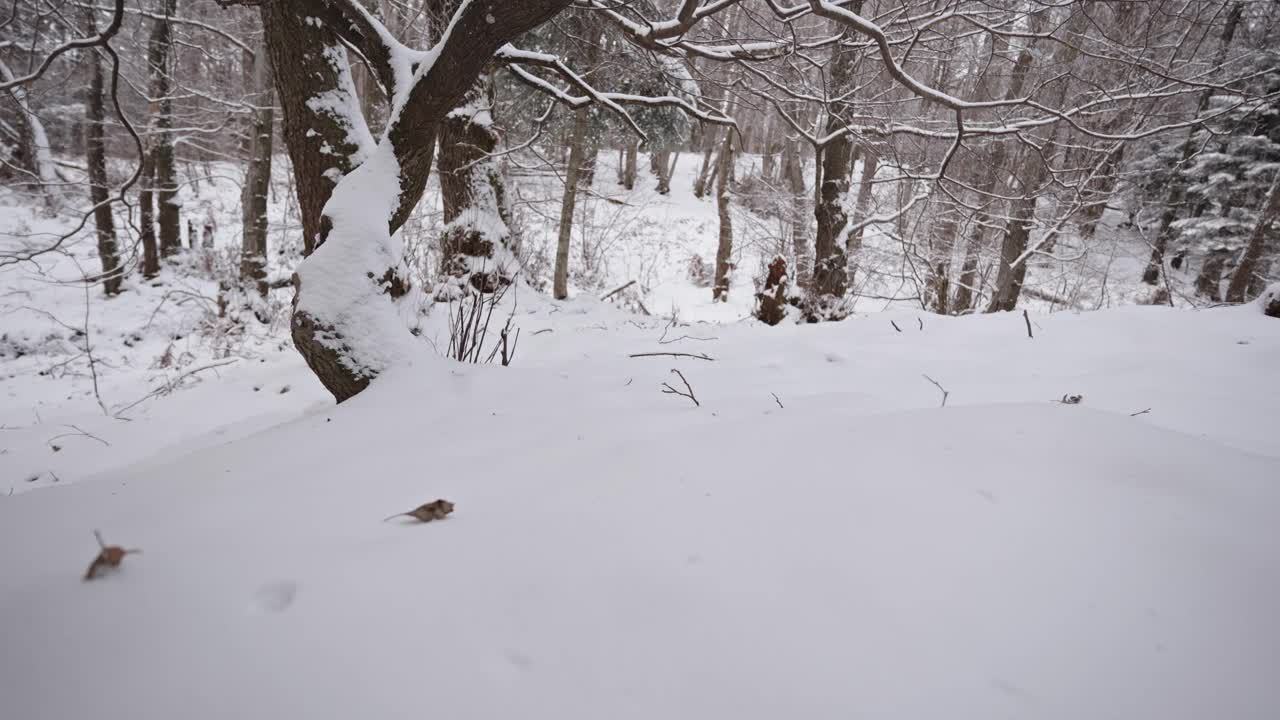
{"x": 1010, "y": 277}
{"x": 1244, "y": 273}
{"x": 325, "y": 140}
{"x": 475, "y": 247}
{"x": 830, "y": 271}
{"x": 257, "y": 183}
{"x": 560, "y": 289}
{"x": 96, "y": 151}
{"x": 165, "y": 163}
{"x": 147, "y": 214}
{"x": 35, "y": 154}
{"x": 344, "y": 323}
{"x": 724, "y": 251}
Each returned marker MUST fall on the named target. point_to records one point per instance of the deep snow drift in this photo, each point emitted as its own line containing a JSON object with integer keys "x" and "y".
{"x": 848, "y": 549}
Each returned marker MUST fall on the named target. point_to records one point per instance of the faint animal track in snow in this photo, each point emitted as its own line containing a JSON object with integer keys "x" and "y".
{"x": 519, "y": 659}
{"x": 275, "y": 597}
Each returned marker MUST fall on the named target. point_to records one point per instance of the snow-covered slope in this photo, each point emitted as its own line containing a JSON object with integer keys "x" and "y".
{"x": 849, "y": 549}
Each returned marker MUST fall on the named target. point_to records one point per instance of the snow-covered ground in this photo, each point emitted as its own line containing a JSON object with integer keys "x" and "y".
{"x": 818, "y": 538}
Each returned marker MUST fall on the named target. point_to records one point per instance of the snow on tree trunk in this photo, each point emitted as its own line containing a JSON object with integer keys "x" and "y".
{"x": 147, "y": 214}
{"x": 825, "y": 299}
{"x": 1022, "y": 216}
{"x": 322, "y": 127}
{"x": 474, "y": 247}
{"x": 165, "y": 163}
{"x": 96, "y": 152}
{"x": 1248, "y": 267}
{"x": 35, "y": 147}
{"x": 345, "y": 323}
{"x": 257, "y": 184}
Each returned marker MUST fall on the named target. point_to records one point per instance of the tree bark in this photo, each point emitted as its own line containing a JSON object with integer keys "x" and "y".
{"x": 1036, "y": 168}
{"x": 560, "y": 289}
{"x": 793, "y": 169}
{"x": 35, "y": 152}
{"x": 257, "y": 184}
{"x": 830, "y": 271}
{"x": 629, "y": 164}
{"x": 475, "y": 247}
{"x": 163, "y": 159}
{"x": 861, "y": 209}
{"x": 147, "y": 215}
{"x": 941, "y": 245}
{"x": 344, "y": 324}
{"x": 325, "y": 143}
{"x": 724, "y": 251}
{"x": 1244, "y": 273}
{"x": 96, "y": 151}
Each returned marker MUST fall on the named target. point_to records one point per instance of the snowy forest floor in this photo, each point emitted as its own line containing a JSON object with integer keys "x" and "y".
{"x": 817, "y": 538}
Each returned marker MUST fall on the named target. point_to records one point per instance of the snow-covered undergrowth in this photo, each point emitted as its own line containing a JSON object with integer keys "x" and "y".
{"x": 846, "y": 548}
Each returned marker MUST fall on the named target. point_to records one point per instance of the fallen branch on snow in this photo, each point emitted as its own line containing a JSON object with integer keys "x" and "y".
{"x": 937, "y": 385}
{"x": 700, "y": 356}
{"x": 668, "y": 390}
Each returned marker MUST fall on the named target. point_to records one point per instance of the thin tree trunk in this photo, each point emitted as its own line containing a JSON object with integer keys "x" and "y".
{"x": 147, "y": 215}
{"x": 629, "y": 164}
{"x": 704, "y": 174}
{"x": 942, "y": 243}
{"x": 560, "y": 289}
{"x": 793, "y": 168}
{"x": 257, "y": 185}
{"x": 1244, "y": 273}
{"x": 994, "y": 172}
{"x": 724, "y": 251}
{"x": 861, "y": 209}
{"x": 1099, "y": 191}
{"x": 96, "y": 151}
{"x": 166, "y": 172}
{"x": 1036, "y": 169}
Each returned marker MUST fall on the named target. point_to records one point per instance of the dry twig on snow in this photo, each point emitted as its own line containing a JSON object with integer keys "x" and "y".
{"x": 668, "y": 390}
{"x": 937, "y": 385}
